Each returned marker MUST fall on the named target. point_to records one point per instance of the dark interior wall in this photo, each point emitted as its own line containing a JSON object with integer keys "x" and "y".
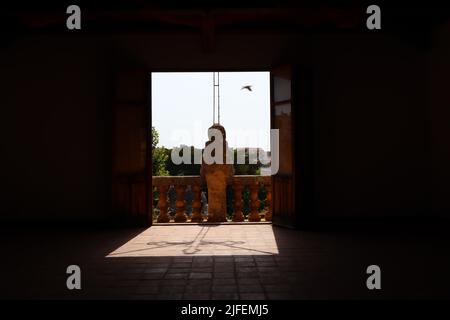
{"x": 231, "y": 52}
{"x": 369, "y": 124}
{"x": 53, "y": 128}
{"x": 439, "y": 115}
{"x": 370, "y": 127}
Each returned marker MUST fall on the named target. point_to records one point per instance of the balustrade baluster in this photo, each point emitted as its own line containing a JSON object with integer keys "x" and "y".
{"x": 196, "y": 204}
{"x": 162, "y": 205}
{"x": 180, "y": 215}
{"x": 238, "y": 216}
{"x": 254, "y": 203}
{"x": 268, "y": 215}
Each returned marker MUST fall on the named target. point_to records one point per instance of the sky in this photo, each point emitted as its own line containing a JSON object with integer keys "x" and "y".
{"x": 182, "y": 108}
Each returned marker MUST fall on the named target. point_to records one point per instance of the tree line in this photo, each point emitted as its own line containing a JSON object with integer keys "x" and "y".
{"x": 163, "y": 166}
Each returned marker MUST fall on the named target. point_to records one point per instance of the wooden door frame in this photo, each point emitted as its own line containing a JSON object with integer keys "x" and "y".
{"x": 302, "y": 114}
{"x": 125, "y": 216}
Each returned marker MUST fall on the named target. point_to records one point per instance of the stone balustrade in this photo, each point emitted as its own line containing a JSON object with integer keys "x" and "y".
{"x": 162, "y": 184}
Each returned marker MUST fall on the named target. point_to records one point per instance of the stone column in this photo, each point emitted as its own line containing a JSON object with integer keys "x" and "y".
{"x": 217, "y": 176}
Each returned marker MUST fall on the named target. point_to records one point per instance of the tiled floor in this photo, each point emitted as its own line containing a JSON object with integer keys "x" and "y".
{"x": 248, "y": 261}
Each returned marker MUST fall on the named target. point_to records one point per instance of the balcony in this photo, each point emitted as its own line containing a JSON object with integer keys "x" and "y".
{"x": 257, "y": 189}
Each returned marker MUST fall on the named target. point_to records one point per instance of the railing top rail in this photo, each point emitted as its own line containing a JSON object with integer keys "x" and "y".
{"x": 176, "y": 180}
{"x": 252, "y": 179}
{"x": 196, "y": 180}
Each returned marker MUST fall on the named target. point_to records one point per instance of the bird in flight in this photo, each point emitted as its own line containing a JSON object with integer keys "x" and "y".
{"x": 249, "y": 88}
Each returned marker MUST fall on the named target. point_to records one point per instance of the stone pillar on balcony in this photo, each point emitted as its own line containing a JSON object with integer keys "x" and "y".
{"x": 180, "y": 215}
{"x": 237, "y": 201}
{"x": 268, "y": 215}
{"x": 254, "y": 203}
{"x": 163, "y": 216}
{"x": 217, "y": 175}
{"x": 196, "y": 204}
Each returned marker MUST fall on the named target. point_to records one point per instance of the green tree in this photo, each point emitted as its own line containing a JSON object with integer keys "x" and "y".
{"x": 246, "y": 168}
{"x": 159, "y": 156}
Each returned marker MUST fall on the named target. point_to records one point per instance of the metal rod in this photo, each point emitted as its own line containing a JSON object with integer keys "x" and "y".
{"x": 214, "y": 97}
{"x": 218, "y": 98}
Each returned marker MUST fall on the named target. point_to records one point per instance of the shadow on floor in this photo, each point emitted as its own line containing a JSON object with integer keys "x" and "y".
{"x": 223, "y": 262}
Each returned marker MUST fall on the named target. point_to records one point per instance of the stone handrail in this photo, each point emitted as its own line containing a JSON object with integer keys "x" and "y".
{"x": 180, "y": 183}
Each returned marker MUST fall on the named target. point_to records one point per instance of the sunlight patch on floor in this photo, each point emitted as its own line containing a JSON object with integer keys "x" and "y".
{"x": 185, "y": 240}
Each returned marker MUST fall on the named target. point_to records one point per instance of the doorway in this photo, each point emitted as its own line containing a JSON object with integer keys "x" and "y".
{"x": 184, "y": 107}
{"x": 134, "y": 118}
